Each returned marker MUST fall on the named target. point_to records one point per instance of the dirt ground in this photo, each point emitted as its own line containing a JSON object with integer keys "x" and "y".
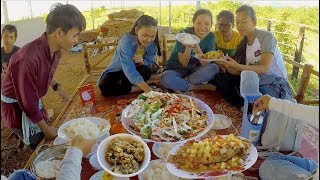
{"x": 69, "y": 74}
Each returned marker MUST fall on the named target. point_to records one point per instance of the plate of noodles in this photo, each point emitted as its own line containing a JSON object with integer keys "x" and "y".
{"x": 167, "y": 117}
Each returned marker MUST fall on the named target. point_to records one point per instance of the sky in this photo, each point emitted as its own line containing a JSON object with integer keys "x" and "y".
{"x": 19, "y": 9}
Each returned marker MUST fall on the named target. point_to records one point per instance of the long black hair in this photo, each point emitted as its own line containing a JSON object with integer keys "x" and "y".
{"x": 240, "y": 56}
{"x": 200, "y": 12}
{"x": 146, "y": 20}
{"x": 241, "y": 48}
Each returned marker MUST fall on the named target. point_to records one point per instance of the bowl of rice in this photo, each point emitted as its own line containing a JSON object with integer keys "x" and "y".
{"x": 88, "y": 127}
{"x": 47, "y": 163}
{"x": 157, "y": 170}
{"x": 123, "y": 155}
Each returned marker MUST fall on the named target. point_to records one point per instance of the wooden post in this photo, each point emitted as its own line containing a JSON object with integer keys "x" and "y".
{"x": 92, "y": 16}
{"x": 170, "y": 18}
{"x": 86, "y": 58}
{"x": 164, "y": 49}
{"x": 298, "y": 52}
{"x": 305, "y": 77}
{"x": 269, "y": 22}
{"x": 5, "y": 12}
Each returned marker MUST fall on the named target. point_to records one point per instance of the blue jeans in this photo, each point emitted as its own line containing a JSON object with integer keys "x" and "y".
{"x": 270, "y": 91}
{"x": 183, "y": 79}
{"x": 21, "y": 174}
{"x": 277, "y": 167}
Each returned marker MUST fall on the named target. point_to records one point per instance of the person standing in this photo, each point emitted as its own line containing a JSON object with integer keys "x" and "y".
{"x": 30, "y": 73}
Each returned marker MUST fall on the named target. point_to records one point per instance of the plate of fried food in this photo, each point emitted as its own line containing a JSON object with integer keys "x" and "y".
{"x": 167, "y": 117}
{"x": 211, "y": 157}
{"x": 211, "y": 56}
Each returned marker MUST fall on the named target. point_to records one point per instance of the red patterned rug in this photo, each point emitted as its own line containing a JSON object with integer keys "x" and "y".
{"x": 218, "y": 105}
{"x": 111, "y": 108}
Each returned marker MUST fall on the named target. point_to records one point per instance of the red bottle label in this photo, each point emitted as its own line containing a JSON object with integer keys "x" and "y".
{"x": 86, "y": 93}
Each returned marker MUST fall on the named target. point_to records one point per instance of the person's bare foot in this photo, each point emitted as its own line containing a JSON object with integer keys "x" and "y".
{"x": 209, "y": 87}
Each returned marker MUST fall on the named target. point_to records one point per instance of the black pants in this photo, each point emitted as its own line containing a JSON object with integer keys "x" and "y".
{"x": 229, "y": 86}
{"x": 34, "y": 139}
{"x": 116, "y": 83}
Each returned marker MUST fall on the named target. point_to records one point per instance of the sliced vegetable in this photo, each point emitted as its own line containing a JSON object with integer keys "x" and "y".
{"x": 141, "y": 96}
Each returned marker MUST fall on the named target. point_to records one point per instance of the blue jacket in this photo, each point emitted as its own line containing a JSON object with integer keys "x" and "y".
{"x": 122, "y": 59}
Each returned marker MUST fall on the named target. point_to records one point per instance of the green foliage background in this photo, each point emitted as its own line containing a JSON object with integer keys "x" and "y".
{"x": 285, "y": 26}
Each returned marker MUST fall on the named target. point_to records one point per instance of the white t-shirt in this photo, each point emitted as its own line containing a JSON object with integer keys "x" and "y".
{"x": 266, "y": 42}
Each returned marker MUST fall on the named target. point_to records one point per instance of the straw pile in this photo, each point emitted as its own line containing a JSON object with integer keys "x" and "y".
{"x": 121, "y": 22}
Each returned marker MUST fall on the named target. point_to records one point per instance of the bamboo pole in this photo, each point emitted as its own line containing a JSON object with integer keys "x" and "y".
{"x": 86, "y": 58}
{"x": 164, "y": 49}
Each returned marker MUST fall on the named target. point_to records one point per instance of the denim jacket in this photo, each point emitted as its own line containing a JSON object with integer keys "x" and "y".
{"x": 122, "y": 59}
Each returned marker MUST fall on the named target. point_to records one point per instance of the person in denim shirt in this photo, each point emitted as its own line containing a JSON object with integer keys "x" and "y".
{"x": 183, "y": 71}
{"x": 132, "y": 61}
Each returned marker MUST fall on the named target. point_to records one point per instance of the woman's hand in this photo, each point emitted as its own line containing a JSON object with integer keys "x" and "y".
{"x": 262, "y": 103}
{"x": 137, "y": 59}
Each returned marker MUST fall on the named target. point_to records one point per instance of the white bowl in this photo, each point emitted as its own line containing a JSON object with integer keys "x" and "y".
{"x": 94, "y": 162}
{"x": 95, "y": 120}
{"x": 106, "y": 142}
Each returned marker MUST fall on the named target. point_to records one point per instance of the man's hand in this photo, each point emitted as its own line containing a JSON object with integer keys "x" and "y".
{"x": 262, "y": 103}
{"x": 137, "y": 59}
{"x": 221, "y": 69}
{"x": 62, "y": 93}
{"x": 51, "y": 133}
{"x": 83, "y": 144}
{"x": 228, "y": 63}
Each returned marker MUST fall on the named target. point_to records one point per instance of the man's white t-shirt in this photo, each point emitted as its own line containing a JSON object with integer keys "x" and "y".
{"x": 266, "y": 42}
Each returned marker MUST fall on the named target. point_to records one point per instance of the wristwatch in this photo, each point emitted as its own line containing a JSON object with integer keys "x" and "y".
{"x": 55, "y": 86}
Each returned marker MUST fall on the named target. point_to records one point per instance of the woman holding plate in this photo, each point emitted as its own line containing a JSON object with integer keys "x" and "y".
{"x": 183, "y": 71}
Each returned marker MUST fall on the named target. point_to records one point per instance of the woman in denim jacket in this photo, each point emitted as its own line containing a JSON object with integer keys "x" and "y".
{"x": 132, "y": 61}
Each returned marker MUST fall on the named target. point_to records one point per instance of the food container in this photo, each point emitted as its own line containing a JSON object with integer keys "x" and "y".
{"x": 50, "y": 153}
{"x": 86, "y": 93}
{"x": 249, "y": 90}
{"x": 104, "y": 145}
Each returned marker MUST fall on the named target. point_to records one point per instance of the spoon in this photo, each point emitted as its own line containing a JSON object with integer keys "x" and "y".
{"x": 255, "y": 117}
